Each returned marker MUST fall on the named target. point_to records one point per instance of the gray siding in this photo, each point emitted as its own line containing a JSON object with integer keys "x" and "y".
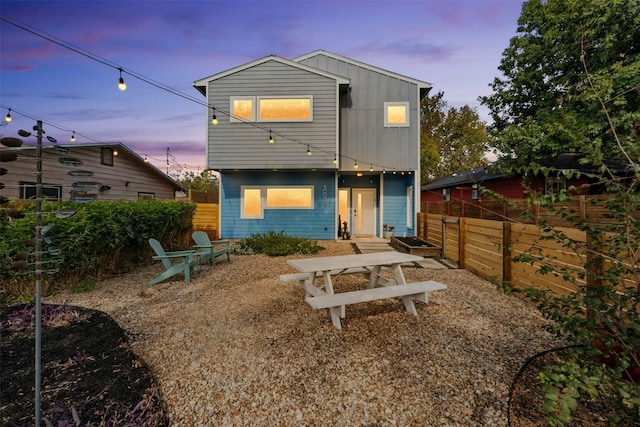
{"x": 363, "y": 135}
{"x": 243, "y": 146}
{"x": 126, "y": 178}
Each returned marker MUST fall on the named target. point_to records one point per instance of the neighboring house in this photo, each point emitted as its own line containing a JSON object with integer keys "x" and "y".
{"x": 465, "y": 185}
{"x": 85, "y": 172}
{"x": 303, "y": 145}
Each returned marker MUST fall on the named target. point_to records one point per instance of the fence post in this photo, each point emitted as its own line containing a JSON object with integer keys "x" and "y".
{"x": 461, "y": 241}
{"x": 506, "y": 252}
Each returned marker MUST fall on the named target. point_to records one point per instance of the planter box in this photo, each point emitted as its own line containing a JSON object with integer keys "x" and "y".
{"x": 416, "y": 246}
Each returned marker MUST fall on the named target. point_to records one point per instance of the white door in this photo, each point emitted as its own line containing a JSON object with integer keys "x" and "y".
{"x": 363, "y": 210}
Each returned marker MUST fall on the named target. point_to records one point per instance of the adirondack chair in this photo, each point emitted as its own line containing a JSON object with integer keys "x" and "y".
{"x": 209, "y": 250}
{"x": 184, "y": 265}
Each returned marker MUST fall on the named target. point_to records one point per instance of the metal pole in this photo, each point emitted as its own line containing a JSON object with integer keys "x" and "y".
{"x": 38, "y": 271}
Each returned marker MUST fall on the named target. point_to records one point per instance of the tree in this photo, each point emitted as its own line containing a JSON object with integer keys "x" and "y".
{"x": 206, "y": 181}
{"x": 451, "y": 139}
{"x": 543, "y": 105}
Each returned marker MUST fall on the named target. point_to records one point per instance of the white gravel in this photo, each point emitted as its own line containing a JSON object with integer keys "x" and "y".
{"x": 238, "y": 347}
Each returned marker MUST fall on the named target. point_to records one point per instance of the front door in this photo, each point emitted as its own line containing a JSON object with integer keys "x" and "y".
{"x": 363, "y": 210}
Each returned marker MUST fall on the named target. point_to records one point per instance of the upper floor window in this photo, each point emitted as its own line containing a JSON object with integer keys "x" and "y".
{"x": 106, "y": 156}
{"x": 242, "y": 109}
{"x": 396, "y": 114}
{"x": 299, "y": 109}
{"x": 446, "y": 194}
{"x": 271, "y": 109}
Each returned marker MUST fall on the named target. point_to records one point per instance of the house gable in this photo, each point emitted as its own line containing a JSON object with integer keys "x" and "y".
{"x": 364, "y": 136}
{"x": 244, "y": 143}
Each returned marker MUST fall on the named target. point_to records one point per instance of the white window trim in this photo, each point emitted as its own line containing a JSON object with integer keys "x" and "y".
{"x": 386, "y": 115}
{"x": 233, "y": 118}
{"x": 257, "y": 109}
{"x": 263, "y": 199}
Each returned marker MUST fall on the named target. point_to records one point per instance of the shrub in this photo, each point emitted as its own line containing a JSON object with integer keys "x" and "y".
{"x": 277, "y": 244}
{"x": 100, "y": 239}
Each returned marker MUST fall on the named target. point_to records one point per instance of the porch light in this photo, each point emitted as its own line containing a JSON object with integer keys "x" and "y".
{"x": 8, "y": 118}
{"x": 121, "y": 84}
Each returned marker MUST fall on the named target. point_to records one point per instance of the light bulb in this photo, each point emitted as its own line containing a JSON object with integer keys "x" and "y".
{"x": 121, "y": 84}
{"x": 73, "y": 137}
{"x": 214, "y": 119}
{"x": 355, "y": 166}
{"x": 308, "y": 151}
{"x": 271, "y": 141}
{"x": 8, "y": 118}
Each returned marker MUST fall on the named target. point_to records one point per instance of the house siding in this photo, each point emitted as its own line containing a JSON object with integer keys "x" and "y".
{"x": 395, "y": 204}
{"x": 125, "y": 169}
{"x": 363, "y": 135}
{"x": 317, "y": 223}
{"x": 244, "y": 146}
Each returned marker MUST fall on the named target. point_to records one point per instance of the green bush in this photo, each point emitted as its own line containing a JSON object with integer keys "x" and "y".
{"x": 277, "y": 244}
{"x": 100, "y": 239}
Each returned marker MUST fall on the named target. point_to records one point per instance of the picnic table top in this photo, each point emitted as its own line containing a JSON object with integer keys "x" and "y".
{"x": 310, "y": 265}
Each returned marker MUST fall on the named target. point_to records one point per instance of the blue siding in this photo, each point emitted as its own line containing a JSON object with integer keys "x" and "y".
{"x": 395, "y": 203}
{"x": 319, "y": 223}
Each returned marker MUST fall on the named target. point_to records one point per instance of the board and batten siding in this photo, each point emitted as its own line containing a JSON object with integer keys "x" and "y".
{"x": 363, "y": 135}
{"x": 125, "y": 169}
{"x": 317, "y": 223}
{"x": 395, "y": 203}
{"x": 244, "y": 146}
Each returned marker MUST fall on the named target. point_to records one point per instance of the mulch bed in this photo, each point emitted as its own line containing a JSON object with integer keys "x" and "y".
{"x": 89, "y": 375}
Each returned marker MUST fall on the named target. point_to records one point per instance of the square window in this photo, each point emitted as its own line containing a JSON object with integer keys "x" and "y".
{"x": 242, "y": 109}
{"x": 396, "y": 114}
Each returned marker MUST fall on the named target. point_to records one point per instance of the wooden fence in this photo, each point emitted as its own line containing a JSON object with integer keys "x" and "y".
{"x": 487, "y": 247}
{"x": 591, "y": 208}
{"x": 206, "y": 219}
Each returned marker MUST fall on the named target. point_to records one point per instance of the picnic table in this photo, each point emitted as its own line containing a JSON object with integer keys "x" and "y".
{"x": 378, "y": 287}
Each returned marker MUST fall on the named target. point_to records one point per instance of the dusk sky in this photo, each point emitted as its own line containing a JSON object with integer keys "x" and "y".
{"x": 456, "y": 45}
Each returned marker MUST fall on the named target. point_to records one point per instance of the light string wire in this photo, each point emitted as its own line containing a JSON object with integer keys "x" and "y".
{"x": 39, "y": 33}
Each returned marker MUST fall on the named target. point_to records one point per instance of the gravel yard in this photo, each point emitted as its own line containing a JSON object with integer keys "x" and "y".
{"x": 238, "y": 347}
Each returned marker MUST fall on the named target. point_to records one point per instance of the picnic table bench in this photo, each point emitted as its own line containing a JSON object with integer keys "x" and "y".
{"x": 371, "y": 264}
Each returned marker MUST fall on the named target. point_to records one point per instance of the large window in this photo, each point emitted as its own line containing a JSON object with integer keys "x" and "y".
{"x": 285, "y": 109}
{"x": 49, "y": 191}
{"x": 271, "y": 109}
{"x": 396, "y": 114}
{"x": 256, "y": 199}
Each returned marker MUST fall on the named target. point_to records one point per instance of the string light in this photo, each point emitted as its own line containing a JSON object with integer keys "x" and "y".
{"x": 335, "y": 160}
{"x": 355, "y": 166}
{"x": 145, "y": 159}
{"x": 371, "y": 168}
{"x": 73, "y": 136}
{"x": 214, "y": 119}
{"x": 8, "y": 118}
{"x": 308, "y": 151}
{"x": 271, "y": 141}
{"x": 121, "y": 84}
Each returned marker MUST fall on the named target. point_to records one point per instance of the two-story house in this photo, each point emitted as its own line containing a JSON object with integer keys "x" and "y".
{"x": 304, "y": 145}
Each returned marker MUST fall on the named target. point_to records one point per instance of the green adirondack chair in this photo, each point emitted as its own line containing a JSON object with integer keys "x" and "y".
{"x": 209, "y": 250}
{"x": 184, "y": 264}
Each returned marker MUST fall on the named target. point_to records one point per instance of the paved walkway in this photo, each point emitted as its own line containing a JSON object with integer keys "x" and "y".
{"x": 375, "y": 244}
